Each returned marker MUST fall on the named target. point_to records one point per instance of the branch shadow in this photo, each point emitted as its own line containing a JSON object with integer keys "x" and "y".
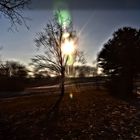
{"x": 51, "y": 120}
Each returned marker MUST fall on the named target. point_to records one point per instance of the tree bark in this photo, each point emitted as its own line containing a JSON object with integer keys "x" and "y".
{"x": 128, "y": 82}
{"x": 62, "y": 81}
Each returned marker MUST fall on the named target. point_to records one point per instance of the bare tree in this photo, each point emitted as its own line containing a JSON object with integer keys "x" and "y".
{"x": 12, "y": 10}
{"x": 52, "y": 39}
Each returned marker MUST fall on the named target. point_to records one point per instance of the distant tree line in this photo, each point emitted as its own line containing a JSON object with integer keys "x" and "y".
{"x": 12, "y": 76}
{"x": 15, "y": 76}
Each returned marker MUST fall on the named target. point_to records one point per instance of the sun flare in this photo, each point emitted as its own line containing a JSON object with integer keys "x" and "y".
{"x": 68, "y": 47}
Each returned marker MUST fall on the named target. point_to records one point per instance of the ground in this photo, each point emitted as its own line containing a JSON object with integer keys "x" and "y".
{"x": 90, "y": 114}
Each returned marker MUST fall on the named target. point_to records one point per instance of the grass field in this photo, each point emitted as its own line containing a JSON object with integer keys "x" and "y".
{"x": 89, "y": 114}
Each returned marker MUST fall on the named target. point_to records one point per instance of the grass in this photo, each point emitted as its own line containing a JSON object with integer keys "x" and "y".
{"x": 90, "y": 114}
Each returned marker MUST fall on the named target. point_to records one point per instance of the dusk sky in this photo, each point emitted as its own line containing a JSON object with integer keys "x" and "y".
{"x": 96, "y": 26}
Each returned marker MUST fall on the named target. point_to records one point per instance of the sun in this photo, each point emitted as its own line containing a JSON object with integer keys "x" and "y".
{"x": 68, "y": 47}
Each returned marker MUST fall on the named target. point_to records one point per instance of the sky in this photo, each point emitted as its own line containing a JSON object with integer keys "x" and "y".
{"x": 96, "y": 24}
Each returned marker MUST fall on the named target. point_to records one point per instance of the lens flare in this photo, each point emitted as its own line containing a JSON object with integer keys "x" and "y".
{"x": 70, "y": 59}
{"x": 71, "y": 95}
{"x": 66, "y": 35}
{"x": 68, "y": 47}
{"x": 63, "y": 18}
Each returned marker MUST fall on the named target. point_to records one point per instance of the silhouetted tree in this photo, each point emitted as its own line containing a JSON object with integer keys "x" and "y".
{"x": 12, "y": 10}
{"x": 95, "y": 68}
{"x": 52, "y": 39}
{"x": 119, "y": 59}
{"x": 14, "y": 69}
{"x": 84, "y": 71}
{"x": 39, "y": 74}
{"x": 12, "y": 76}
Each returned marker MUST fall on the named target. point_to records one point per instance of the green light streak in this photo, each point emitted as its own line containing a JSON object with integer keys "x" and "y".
{"x": 70, "y": 60}
{"x": 63, "y": 18}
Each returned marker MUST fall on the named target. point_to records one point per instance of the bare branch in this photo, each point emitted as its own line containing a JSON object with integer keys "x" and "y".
{"x": 13, "y": 9}
{"x": 51, "y": 39}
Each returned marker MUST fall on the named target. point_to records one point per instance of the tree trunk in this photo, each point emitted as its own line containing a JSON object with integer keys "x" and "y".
{"x": 128, "y": 82}
{"x": 62, "y": 81}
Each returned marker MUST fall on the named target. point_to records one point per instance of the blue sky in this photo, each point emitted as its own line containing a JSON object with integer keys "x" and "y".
{"x": 98, "y": 28}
